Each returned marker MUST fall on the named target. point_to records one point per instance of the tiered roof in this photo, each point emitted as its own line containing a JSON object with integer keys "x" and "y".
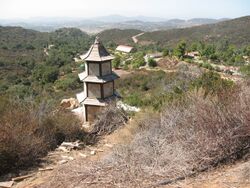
{"x": 97, "y": 79}
{"x": 97, "y": 53}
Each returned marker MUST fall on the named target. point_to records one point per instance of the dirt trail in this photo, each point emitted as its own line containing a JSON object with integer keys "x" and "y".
{"x": 134, "y": 38}
{"x": 102, "y": 148}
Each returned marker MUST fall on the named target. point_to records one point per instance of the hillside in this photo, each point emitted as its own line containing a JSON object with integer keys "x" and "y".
{"x": 118, "y": 36}
{"x": 26, "y": 58}
{"x": 236, "y": 31}
{"x": 18, "y": 42}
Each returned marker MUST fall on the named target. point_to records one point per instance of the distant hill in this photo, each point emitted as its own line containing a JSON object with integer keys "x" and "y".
{"x": 118, "y": 36}
{"x": 18, "y": 43}
{"x": 98, "y": 24}
{"x": 236, "y": 31}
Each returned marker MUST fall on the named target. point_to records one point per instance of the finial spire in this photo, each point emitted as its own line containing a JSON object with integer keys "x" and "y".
{"x": 97, "y": 40}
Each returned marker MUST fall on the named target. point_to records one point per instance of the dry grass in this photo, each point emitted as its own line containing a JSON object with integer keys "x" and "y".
{"x": 109, "y": 120}
{"x": 28, "y": 132}
{"x": 184, "y": 139}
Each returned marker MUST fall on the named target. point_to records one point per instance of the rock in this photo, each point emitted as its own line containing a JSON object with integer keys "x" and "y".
{"x": 99, "y": 150}
{"x": 127, "y": 107}
{"x": 62, "y": 162}
{"x": 67, "y": 157}
{"x": 71, "y": 145}
{"x": 46, "y": 169}
{"x": 6, "y": 184}
{"x": 64, "y": 149}
{"x": 92, "y": 152}
{"x": 69, "y": 104}
{"x": 83, "y": 155}
{"x": 20, "y": 178}
{"x": 109, "y": 145}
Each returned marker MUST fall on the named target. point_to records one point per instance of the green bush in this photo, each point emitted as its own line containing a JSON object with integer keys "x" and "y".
{"x": 45, "y": 74}
{"x": 20, "y": 91}
{"x": 66, "y": 69}
{"x": 180, "y": 49}
{"x": 207, "y": 66}
{"x": 166, "y": 52}
{"x": 138, "y": 60}
{"x": 245, "y": 70}
{"x": 152, "y": 62}
{"x": 212, "y": 83}
{"x": 116, "y": 62}
{"x": 70, "y": 82}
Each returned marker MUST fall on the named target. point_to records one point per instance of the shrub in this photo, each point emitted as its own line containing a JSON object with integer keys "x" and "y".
{"x": 116, "y": 62}
{"x": 28, "y": 132}
{"x": 152, "y": 62}
{"x": 66, "y": 69}
{"x": 245, "y": 70}
{"x": 108, "y": 120}
{"x": 20, "y": 91}
{"x": 138, "y": 60}
{"x": 70, "y": 82}
{"x": 212, "y": 83}
{"x": 207, "y": 66}
{"x": 180, "y": 49}
{"x": 45, "y": 74}
{"x": 166, "y": 52}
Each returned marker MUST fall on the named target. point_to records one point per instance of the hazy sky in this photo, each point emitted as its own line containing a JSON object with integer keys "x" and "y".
{"x": 92, "y": 8}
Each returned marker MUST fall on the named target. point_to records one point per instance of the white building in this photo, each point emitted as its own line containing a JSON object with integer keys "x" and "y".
{"x": 124, "y": 48}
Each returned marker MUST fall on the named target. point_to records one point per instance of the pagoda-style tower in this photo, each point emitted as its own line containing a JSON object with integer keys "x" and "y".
{"x": 98, "y": 80}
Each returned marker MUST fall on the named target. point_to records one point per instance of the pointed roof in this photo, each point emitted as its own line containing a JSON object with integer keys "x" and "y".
{"x": 97, "y": 52}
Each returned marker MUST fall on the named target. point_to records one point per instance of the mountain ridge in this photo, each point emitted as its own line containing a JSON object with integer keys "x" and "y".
{"x": 97, "y": 24}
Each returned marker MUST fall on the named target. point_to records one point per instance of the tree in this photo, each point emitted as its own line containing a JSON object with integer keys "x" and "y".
{"x": 247, "y": 51}
{"x": 245, "y": 70}
{"x": 45, "y": 74}
{"x": 152, "y": 62}
{"x": 138, "y": 60}
{"x": 165, "y": 52}
{"x": 209, "y": 51}
{"x": 50, "y": 75}
{"x": 194, "y": 46}
{"x": 180, "y": 49}
{"x": 238, "y": 60}
{"x": 116, "y": 62}
{"x": 70, "y": 82}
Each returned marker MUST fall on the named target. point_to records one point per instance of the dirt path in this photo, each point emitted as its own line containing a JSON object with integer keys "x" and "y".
{"x": 56, "y": 159}
{"x": 91, "y": 153}
{"x": 134, "y": 38}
